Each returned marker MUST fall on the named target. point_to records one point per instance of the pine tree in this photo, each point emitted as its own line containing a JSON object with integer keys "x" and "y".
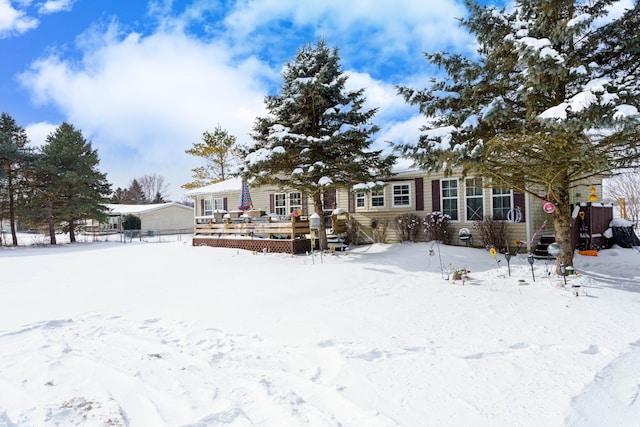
{"x": 135, "y": 193}
{"x": 67, "y": 185}
{"x": 119, "y": 195}
{"x": 14, "y": 155}
{"x": 535, "y": 110}
{"x": 158, "y": 198}
{"x": 218, "y": 151}
{"x": 317, "y": 135}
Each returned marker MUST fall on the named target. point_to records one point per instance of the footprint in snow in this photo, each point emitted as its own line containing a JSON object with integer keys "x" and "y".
{"x": 593, "y": 349}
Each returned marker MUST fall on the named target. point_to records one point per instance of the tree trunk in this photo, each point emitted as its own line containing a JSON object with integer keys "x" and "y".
{"x": 562, "y": 226}
{"x": 322, "y": 231}
{"x": 72, "y": 231}
{"x": 12, "y": 213}
{"x": 52, "y": 229}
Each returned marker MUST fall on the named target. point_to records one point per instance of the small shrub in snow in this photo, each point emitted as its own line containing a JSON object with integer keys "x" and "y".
{"x": 131, "y": 222}
{"x": 437, "y": 227}
{"x": 379, "y": 228}
{"x": 492, "y": 232}
{"x": 355, "y": 234}
{"x": 408, "y": 227}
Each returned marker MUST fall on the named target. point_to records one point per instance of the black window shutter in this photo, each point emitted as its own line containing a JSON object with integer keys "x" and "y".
{"x": 224, "y": 204}
{"x": 435, "y": 195}
{"x": 419, "y": 183}
{"x": 352, "y": 202}
{"x": 305, "y": 205}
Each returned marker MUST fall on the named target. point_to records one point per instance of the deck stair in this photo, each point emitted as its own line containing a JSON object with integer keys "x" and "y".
{"x": 336, "y": 242}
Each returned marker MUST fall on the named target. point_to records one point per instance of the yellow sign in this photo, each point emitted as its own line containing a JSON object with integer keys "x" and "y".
{"x": 493, "y": 252}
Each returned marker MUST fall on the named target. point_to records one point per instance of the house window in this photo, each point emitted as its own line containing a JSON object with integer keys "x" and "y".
{"x": 474, "y": 199}
{"x": 280, "y": 201}
{"x": 330, "y": 200}
{"x": 401, "y": 195}
{"x": 207, "y": 211}
{"x": 377, "y": 198}
{"x": 450, "y": 198}
{"x": 284, "y": 203}
{"x": 360, "y": 200}
{"x": 501, "y": 201}
{"x": 218, "y": 204}
{"x": 295, "y": 202}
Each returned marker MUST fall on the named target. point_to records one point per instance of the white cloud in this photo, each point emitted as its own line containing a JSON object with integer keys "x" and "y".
{"x": 14, "y": 21}
{"x": 379, "y": 94}
{"x": 397, "y": 23}
{"x": 144, "y": 100}
{"x": 403, "y": 131}
{"x": 54, "y": 6}
{"x": 38, "y": 132}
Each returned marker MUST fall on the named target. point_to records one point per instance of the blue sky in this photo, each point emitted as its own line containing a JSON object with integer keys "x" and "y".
{"x": 143, "y": 80}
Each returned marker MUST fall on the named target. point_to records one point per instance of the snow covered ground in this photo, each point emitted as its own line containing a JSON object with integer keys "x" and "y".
{"x": 166, "y": 334}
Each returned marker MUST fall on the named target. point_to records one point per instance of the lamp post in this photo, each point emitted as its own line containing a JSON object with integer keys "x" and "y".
{"x": 563, "y": 271}
{"x": 314, "y": 227}
{"x": 531, "y": 260}
{"x": 507, "y": 256}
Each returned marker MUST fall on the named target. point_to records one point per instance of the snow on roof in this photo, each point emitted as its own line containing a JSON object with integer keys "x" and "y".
{"x": 121, "y": 209}
{"x": 233, "y": 184}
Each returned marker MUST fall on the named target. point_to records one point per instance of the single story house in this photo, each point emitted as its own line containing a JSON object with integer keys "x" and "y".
{"x": 158, "y": 217}
{"x": 465, "y": 199}
{"x": 215, "y": 200}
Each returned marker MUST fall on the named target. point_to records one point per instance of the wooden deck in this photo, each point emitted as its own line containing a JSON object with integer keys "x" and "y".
{"x": 256, "y": 234}
{"x": 255, "y": 227}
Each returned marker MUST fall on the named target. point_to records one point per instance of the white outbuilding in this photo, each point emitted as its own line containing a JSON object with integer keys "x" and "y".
{"x": 158, "y": 217}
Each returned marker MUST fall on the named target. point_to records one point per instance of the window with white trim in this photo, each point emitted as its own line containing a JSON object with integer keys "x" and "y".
{"x": 218, "y": 204}
{"x": 501, "y": 203}
{"x": 377, "y": 198}
{"x": 206, "y": 210}
{"x": 401, "y": 195}
{"x": 280, "y": 204}
{"x": 361, "y": 200}
{"x": 474, "y": 200}
{"x": 286, "y": 203}
{"x": 449, "y": 193}
{"x": 295, "y": 202}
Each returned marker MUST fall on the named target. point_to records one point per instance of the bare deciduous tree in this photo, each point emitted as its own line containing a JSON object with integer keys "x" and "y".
{"x": 625, "y": 186}
{"x": 153, "y": 187}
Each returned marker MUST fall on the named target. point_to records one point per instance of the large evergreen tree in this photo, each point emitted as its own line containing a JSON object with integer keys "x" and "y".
{"x": 14, "y": 155}
{"x": 135, "y": 193}
{"x": 67, "y": 186}
{"x": 538, "y": 109}
{"x": 317, "y": 134}
{"x": 218, "y": 151}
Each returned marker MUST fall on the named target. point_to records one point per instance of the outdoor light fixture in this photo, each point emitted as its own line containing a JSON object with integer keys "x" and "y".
{"x": 563, "y": 271}
{"x": 507, "y": 256}
{"x": 531, "y": 260}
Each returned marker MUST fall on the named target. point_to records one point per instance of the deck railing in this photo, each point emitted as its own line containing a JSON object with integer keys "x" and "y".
{"x": 261, "y": 227}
